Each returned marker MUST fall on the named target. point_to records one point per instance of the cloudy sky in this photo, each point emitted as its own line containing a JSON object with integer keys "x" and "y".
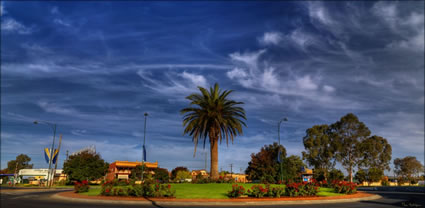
{"x": 95, "y": 69}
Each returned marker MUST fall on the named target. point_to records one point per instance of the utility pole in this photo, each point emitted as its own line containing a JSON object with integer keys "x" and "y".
{"x": 57, "y": 158}
{"x": 231, "y": 170}
{"x": 279, "y": 159}
{"x": 144, "y": 148}
{"x": 67, "y": 154}
{"x": 53, "y": 126}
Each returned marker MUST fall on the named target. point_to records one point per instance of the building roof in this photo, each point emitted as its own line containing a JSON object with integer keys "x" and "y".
{"x": 134, "y": 164}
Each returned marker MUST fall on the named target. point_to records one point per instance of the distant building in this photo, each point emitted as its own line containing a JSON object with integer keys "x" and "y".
{"x": 122, "y": 169}
{"x": 306, "y": 174}
{"x": 201, "y": 172}
{"x": 239, "y": 178}
{"x": 36, "y": 175}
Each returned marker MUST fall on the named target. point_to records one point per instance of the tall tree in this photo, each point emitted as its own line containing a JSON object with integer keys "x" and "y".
{"x": 161, "y": 174}
{"x": 85, "y": 166}
{"x": 407, "y": 167}
{"x": 21, "y": 162}
{"x": 376, "y": 153}
{"x": 292, "y": 166}
{"x": 319, "y": 149}
{"x": 264, "y": 165}
{"x": 177, "y": 169}
{"x": 348, "y": 133}
{"x": 212, "y": 115}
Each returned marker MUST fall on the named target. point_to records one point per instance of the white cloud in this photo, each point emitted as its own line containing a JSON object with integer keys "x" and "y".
{"x": 318, "y": 12}
{"x": 306, "y": 83}
{"x": 271, "y": 38}
{"x": 11, "y": 25}
{"x": 2, "y": 10}
{"x": 54, "y": 10}
{"x": 236, "y": 73}
{"x": 78, "y": 132}
{"x": 249, "y": 59}
{"x": 198, "y": 80}
{"x": 62, "y": 22}
{"x": 328, "y": 88}
{"x": 54, "y": 108}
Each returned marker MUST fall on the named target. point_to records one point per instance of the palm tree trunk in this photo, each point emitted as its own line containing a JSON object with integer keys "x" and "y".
{"x": 214, "y": 159}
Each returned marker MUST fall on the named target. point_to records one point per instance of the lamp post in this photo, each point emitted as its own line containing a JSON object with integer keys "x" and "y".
{"x": 53, "y": 126}
{"x": 279, "y": 155}
{"x": 143, "y": 148}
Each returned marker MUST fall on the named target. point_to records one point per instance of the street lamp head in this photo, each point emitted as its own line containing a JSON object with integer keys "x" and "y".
{"x": 285, "y": 119}
{"x": 146, "y": 114}
{"x": 35, "y": 122}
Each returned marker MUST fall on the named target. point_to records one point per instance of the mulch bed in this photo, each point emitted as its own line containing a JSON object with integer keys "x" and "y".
{"x": 244, "y": 199}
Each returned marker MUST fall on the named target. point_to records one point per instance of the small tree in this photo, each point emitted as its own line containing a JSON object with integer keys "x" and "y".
{"x": 264, "y": 165}
{"x": 85, "y": 166}
{"x": 21, "y": 162}
{"x": 292, "y": 166}
{"x": 182, "y": 175}
{"x": 361, "y": 176}
{"x": 161, "y": 174}
{"x": 336, "y": 174}
{"x": 408, "y": 167}
{"x": 177, "y": 169}
{"x": 136, "y": 173}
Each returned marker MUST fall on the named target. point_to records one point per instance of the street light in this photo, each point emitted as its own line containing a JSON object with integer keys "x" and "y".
{"x": 144, "y": 148}
{"x": 53, "y": 125}
{"x": 279, "y": 155}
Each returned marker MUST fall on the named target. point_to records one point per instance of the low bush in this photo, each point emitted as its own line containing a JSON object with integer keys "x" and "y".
{"x": 147, "y": 189}
{"x": 344, "y": 187}
{"x": 301, "y": 189}
{"x": 259, "y": 191}
{"x": 80, "y": 187}
{"x": 236, "y": 191}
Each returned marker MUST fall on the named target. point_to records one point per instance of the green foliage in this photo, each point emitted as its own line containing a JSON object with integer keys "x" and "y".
{"x": 264, "y": 166}
{"x": 177, "y": 169}
{"x": 85, "y": 166}
{"x": 336, "y": 174}
{"x": 257, "y": 191}
{"x": 161, "y": 174}
{"x": 301, "y": 189}
{"x": 348, "y": 133}
{"x": 361, "y": 176}
{"x": 136, "y": 173}
{"x": 344, "y": 187}
{"x": 376, "y": 153}
{"x": 407, "y": 167}
{"x": 236, "y": 191}
{"x": 182, "y": 175}
{"x": 81, "y": 187}
{"x": 320, "y": 149}
{"x": 211, "y": 114}
{"x": 22, "y": 162}
{"x": 149, "y": 189}
{"x": 292, "y": 168}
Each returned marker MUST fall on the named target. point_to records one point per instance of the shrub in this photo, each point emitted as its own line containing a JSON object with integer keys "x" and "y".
{"x": 301, "y": 189}
{"x": 80, "y": 187}
{"x": 236, "y": 191}
{"x": 277, "y": 192}
{"x": 147, "y": 189}
{"x": 257, "y": 191}
{"x": 344, "y": 187}
{"x": 385, "y": 183}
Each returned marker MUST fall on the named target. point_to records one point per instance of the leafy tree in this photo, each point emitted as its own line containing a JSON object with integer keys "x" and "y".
{"x": 264, "y": 165}
{"x": 177, "y": 169}
{"x": 375, "y": 174}
{"x": 182, "y": 175}
{"x": 347, "y": 134}
{"x": 361, "y": 176}
{"x": 408, "y": 167}
{"x": 161, "y": 174}
{"x": 319, "y": 149}
{"x": 85, "y": 166}
{"x": 376, "y": 153}
{"x": 292, "y": 166}
{"x": 336, "y": 174}
{"x": 21, "y": 162}
{"x": 216, "y": 117}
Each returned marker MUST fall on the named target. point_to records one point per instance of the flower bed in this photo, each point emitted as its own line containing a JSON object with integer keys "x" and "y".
{"x": 344, "y": 187}
{"x": 126, "y": 188}
{"x": 301, "y": 189}
{"x": 81, "y": 187}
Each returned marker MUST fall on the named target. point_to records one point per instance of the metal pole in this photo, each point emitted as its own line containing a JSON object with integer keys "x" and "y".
{"x": 143, "y": 147}
{"x": 57, "y": 159}
{"x": 278, "y": 133}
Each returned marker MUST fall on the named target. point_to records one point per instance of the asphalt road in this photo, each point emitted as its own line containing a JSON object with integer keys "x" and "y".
{"x": 41, "y": 199}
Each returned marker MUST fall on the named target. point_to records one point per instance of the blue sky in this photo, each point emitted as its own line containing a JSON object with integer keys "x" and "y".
{"x": 94, "y": 68}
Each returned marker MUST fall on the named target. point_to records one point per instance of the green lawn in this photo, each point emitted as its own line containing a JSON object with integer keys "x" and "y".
{"x": 210, "y": 191}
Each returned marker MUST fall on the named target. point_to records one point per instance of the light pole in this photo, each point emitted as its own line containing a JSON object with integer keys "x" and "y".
{"x": 53, "y": 125}
{"x": 144, "y": 148}
{"x": 279, "y": 155}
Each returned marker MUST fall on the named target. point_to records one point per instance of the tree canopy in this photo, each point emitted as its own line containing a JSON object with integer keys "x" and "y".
{"x": 348, "y": 133}
{"x": 21, "y": 162}
{"x": 319, "y": 148}
{"x": 375, "y": 153}
{"x": 85, "y": 166}
{"x": 408, "y": 167}
{"x": 177, "y": 169}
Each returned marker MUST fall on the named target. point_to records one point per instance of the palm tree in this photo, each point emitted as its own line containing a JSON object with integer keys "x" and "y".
{"x": 215, "y": 117}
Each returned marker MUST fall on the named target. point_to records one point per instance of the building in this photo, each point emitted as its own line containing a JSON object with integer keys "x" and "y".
{"x": 122, "y": 169}
{"x": 238, "y": 177}
{"x": 201, "y": 172}
{"x": 306, "y": 174}
{"x": 36, "y": 175}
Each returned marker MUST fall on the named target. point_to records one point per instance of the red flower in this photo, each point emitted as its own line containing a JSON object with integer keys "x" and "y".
{"x": 107, "y": 190}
